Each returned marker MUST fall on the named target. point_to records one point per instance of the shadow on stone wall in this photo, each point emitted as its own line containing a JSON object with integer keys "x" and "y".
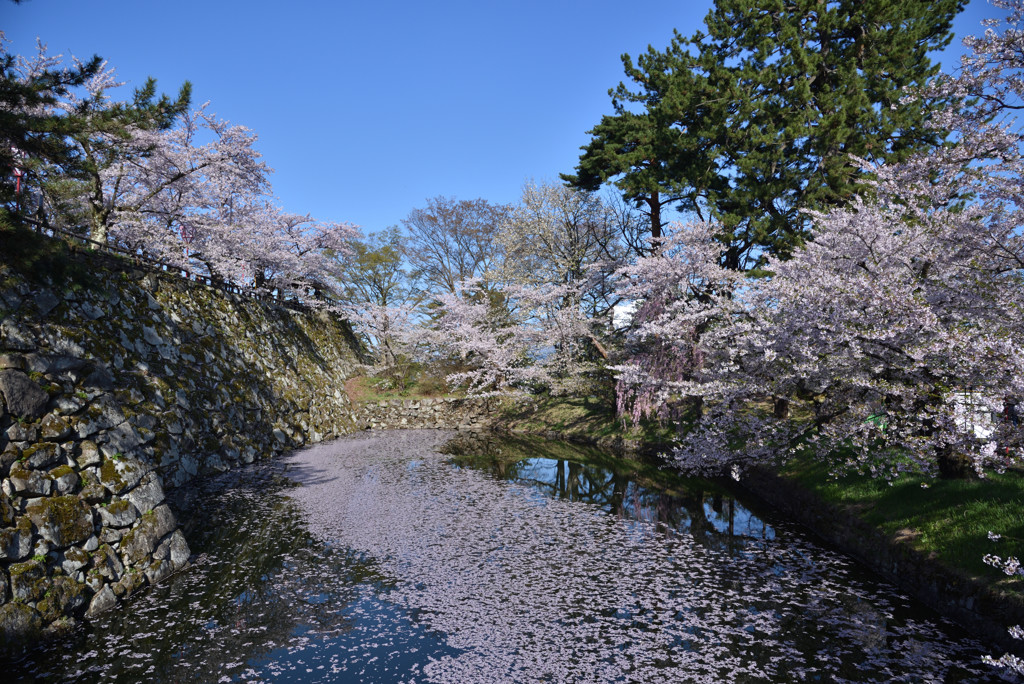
{"x": 112, "y": 393}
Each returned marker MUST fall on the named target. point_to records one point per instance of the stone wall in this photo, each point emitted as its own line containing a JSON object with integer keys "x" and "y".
{"x": 114, "y": 391}
{"x": 440, "y": 413}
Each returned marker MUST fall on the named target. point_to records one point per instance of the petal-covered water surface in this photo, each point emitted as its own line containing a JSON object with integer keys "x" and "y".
{"x": 391, "y": 562}
{"x": 532, "y": 587}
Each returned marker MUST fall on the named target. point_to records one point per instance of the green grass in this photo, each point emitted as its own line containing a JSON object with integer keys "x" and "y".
{"x": 948, "y": 520}
{"x": 585, "y": 417}
{"x": 364, "y": 389}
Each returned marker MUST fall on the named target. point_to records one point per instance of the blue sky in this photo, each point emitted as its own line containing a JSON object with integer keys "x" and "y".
{"x": 367, "y": 109}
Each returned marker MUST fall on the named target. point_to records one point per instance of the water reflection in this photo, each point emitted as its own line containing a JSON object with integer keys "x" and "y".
{"x": 501, "y": 561}
{"x": 536, "y": 569}
{"x": 265, "y": 601}
{"x": 633, "y": 489}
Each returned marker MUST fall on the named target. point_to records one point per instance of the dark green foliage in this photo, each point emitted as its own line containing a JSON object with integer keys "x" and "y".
{"x": 64, "y": 132}
{"x": 26, "y": 125}
{"x": 755, "y": 121}
{"x": 38, "y": 258}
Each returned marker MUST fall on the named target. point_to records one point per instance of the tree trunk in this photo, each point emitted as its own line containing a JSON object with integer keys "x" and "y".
{"x": 781, "y": 408}
{"x": 954, "y": 466}
{"x": 654, "y": 202}
{"x": 98, "y": 228}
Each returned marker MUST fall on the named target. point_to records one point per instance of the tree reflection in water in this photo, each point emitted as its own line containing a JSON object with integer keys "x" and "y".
{"x": 501, "y": 561}
{"x": 543, "y": 565}
{"x": 630, "y": 489}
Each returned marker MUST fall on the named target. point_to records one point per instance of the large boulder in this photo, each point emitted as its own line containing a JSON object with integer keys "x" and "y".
{"x": 24, "y": 398}
{"x": 18, "y": 623}
{"x": 140, "y": 542}
{"x": 61, "y": 520}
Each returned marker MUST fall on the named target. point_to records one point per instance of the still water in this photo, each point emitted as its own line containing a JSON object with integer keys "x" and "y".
{"x": 376, "y": 558}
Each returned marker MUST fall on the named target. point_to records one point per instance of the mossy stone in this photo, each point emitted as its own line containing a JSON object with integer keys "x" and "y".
{"x": 61, "y": 471}
{"x": 28, "y": 580}
{"x": 65, "y": 597}
{"x": 18, "y": 625}
{"x": 41, "y": 455}
{"x": 139, "y": 543}
{"x": 29, "y": 482}
{"x": 120, "y": 475}
{"x": 61, "y": 520}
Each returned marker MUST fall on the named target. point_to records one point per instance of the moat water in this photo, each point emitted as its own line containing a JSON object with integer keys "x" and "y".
{"x": 376, "y": 558}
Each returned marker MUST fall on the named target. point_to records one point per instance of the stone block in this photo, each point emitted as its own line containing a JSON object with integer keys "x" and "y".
{"x": 103, "y": 601}
{"x": 107, "y": 563}
{"x": 65, "y": 479}
{"x": 119, "y": 475}
{"x": 8, "y": 455}
{"x": 158, "y": 571}
{"x": 140, "y": 542}
{"x": 54, "y": 428}
{"x": 14, "y": 338}
{"x": 18, "y": 623}
{"x": 120, "y": 440}
{"x": 65, "y": 596}
{"x": 23, "y": 433}
{"x": 24, "y": 397}
{"x": 30, "y": 482}
{"x": 13, "y": 361}
{"x": 46, "y": 302}
{"x": 93, "y": 493}
{"x": 88, "y": 454}
{"x": 179, "y": 551}
{"x": 42, "y": 455}
{"x": 99, "y": 379}
{"x": 61, "y": 520}
{"x": 28, "y": 581}
{"x": 74, "y": 559}
{"x": 118, "y": 513}
{"x": 16, "y": 542}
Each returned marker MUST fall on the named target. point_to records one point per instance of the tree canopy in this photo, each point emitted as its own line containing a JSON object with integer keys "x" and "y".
{"x": 754, "y": 121}
{"x": 453, "y": 240}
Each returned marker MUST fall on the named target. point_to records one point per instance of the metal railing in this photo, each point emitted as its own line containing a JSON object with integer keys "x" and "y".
{"x": 141, "y": 260}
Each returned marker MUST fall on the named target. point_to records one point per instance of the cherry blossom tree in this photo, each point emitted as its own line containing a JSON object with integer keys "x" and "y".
{"x": 555, "y": 235}
{"x": 152, "y": 176}
{"x": 163, "y": 202}
{"x": 906, "y": 305}
{"x": 111, "y": 134}
{"x": 515, "y": 338}
{"x": 381, "y": 297}
{"x": 875, "y": 344}
{"x": 679, "y": 293}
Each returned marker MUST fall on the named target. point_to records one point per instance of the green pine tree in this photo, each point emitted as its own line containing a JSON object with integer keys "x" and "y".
{"x": 755, "y": 121}
{"x": 32, "y": 138}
